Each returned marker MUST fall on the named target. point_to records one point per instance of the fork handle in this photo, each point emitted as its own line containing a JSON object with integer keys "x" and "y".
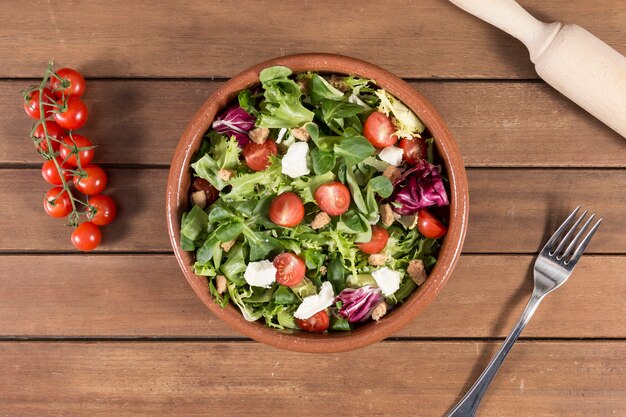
{"x": 468, "y": 405}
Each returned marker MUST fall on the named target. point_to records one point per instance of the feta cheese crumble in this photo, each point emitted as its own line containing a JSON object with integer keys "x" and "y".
{"x": 316, "y": 303}
{"x": 388, "y": 280}
{"x": 392, "y": 155}
{"x": 294, "y": 163}
{"x": 260, "y": 274}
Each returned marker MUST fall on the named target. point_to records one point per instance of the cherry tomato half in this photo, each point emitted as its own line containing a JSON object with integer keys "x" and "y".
{"x": 76, "y": 141}
{"x": 415, "y": 149}
{"x": 318, "y": 322}
{"x": 94, "y": 182}
{"x": 258, "y": 155}
{"x": 51, "y": 175}
{"x": 55, "y": 132}
{"x": 429, "y": 225}
{"x": 73, "y": 83}
{"x": 290, "y": 269}
{"x": 31, "y": 105}
{"x": 380, "y": 236}
{"x": 333, "y": 198}
{"x": 106, "y": 209}
{"x": 57, "y": 203}
{"x": 286, "y": 210}
{"x": 379, "y": 130}
{"x": 86, "y": 237}
{"x": 73, "y": 115}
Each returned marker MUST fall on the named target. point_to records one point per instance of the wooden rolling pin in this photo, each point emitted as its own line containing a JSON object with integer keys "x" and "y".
{"x": 569, "y": 58}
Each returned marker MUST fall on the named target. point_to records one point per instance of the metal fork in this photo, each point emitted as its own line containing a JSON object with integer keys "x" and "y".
{"x": 553, "y": 266}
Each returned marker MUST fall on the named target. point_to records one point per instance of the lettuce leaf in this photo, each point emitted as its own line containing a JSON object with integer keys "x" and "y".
{"x": 282, "y": 105}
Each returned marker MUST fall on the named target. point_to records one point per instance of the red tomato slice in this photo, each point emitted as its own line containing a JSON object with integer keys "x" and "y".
{"x": 258, "y": 155}
{"x": 318, "y": 322}
{"x": 429, "y": 225}
{"x": 380, "y": 236}
{"x": 415, "y": 149}
{"x": 379, "y": 130}
{"x": 286, "y": 210}
{"x": 333, "y": 198}
{"x": 290, "y": 269}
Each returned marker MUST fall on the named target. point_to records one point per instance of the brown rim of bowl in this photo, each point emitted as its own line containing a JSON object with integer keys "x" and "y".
{"x": 179, "y": 180}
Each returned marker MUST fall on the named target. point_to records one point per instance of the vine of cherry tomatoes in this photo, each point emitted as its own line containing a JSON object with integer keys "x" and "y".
{"x": 58, "y": 110}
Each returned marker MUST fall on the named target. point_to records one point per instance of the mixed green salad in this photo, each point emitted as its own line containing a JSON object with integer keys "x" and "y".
{"x": 316, "y": 202}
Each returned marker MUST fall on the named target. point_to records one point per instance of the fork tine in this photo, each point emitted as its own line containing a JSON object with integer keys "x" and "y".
{"x": 557, "y": 234}
{"x": 568, "y": 234}
{"x": 583, "y": 245}
{"x": 574, "y": 241}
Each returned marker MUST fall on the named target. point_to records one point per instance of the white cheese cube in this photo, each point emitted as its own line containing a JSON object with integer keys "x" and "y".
{"x": 388, "y": 280}
{"x": 260, "y": 274}
{"x": 316, "y": 303}
{"x": 294, "y": 163}
{"x": 392, "y": 155}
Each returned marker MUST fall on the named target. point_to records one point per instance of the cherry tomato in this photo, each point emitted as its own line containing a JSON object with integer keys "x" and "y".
{"x": 57, "y": 203}
{"x": 415, "y": 149}
{"x": 51, "y": 175}
{"x": 31, "y": 105}
{"x": 429, "y": 226}
{"x": 73, "y": 115}
{"x": 333, "y": 198}
{"x": 380, "y": 236}
{"x": 258, "y": 155}
{"x": 93, "y": 183}
{"x": 290, "y": 269}
{"x": 79, "y": 141}
{"x": 73, "y": 83}
{"x": 54, "y": 131}
{"x": 379, "y": 130}
{"x": 106, "y": 209}
{"x": 286, "y": 210}
{"x": 318, "y": 322}
{"x": 86, "y": 237}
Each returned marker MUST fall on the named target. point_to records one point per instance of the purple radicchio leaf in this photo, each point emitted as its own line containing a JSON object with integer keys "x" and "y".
{"x": 418, "y": 188}
{"x": 236, "y": 122}
{"x": 358, "y": 304}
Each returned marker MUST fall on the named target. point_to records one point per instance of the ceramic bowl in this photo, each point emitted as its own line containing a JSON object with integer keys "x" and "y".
{"x": 180, "y": 176}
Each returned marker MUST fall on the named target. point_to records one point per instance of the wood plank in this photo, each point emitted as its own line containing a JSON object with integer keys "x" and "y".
{"x": 511, "y": 210}
{"x": 506, "y": 124}
{"x": 428, "y": 38}
{"x": 234, "y": 379}
{"x": 147, "y": 296}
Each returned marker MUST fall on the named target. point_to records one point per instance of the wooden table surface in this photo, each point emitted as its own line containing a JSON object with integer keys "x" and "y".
{"x": 120, "y": 332}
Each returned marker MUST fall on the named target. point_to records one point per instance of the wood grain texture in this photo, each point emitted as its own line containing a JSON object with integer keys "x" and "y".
{"x": 234, "y": 379}
{"x": 511, "y": 210}
{"x": 147, "y": 296}
{"x": 428, "y": 38}
{"x": 507, "y": 124}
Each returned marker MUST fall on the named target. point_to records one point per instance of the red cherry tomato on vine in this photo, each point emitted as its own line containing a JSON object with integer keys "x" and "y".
{"x": 415, "y": 149}
{"x": 72, "y": 115}
{"x": 106, "y": 209}
{"x": 55, "y": 132}
{"x": 79, "y": 141}
{"x": 290, "y": 269}
{"x": 429, "y": 225}
{"x": 333, "y": 198}
{"x": 93, "y": 182}
{"x": 286, "y": 210}
{"x": 258, "y": 155}
{"x": 86, "y": 237}
{"x": 73, "y": 83}
{"x": 57, "y": 203}
{"x": 50, "y": 173}
{"x": 379, "y": 130}
{"x": 380, "y": 236}
{"x": 31, "y": 104}
{"x": 318, "y": 322}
